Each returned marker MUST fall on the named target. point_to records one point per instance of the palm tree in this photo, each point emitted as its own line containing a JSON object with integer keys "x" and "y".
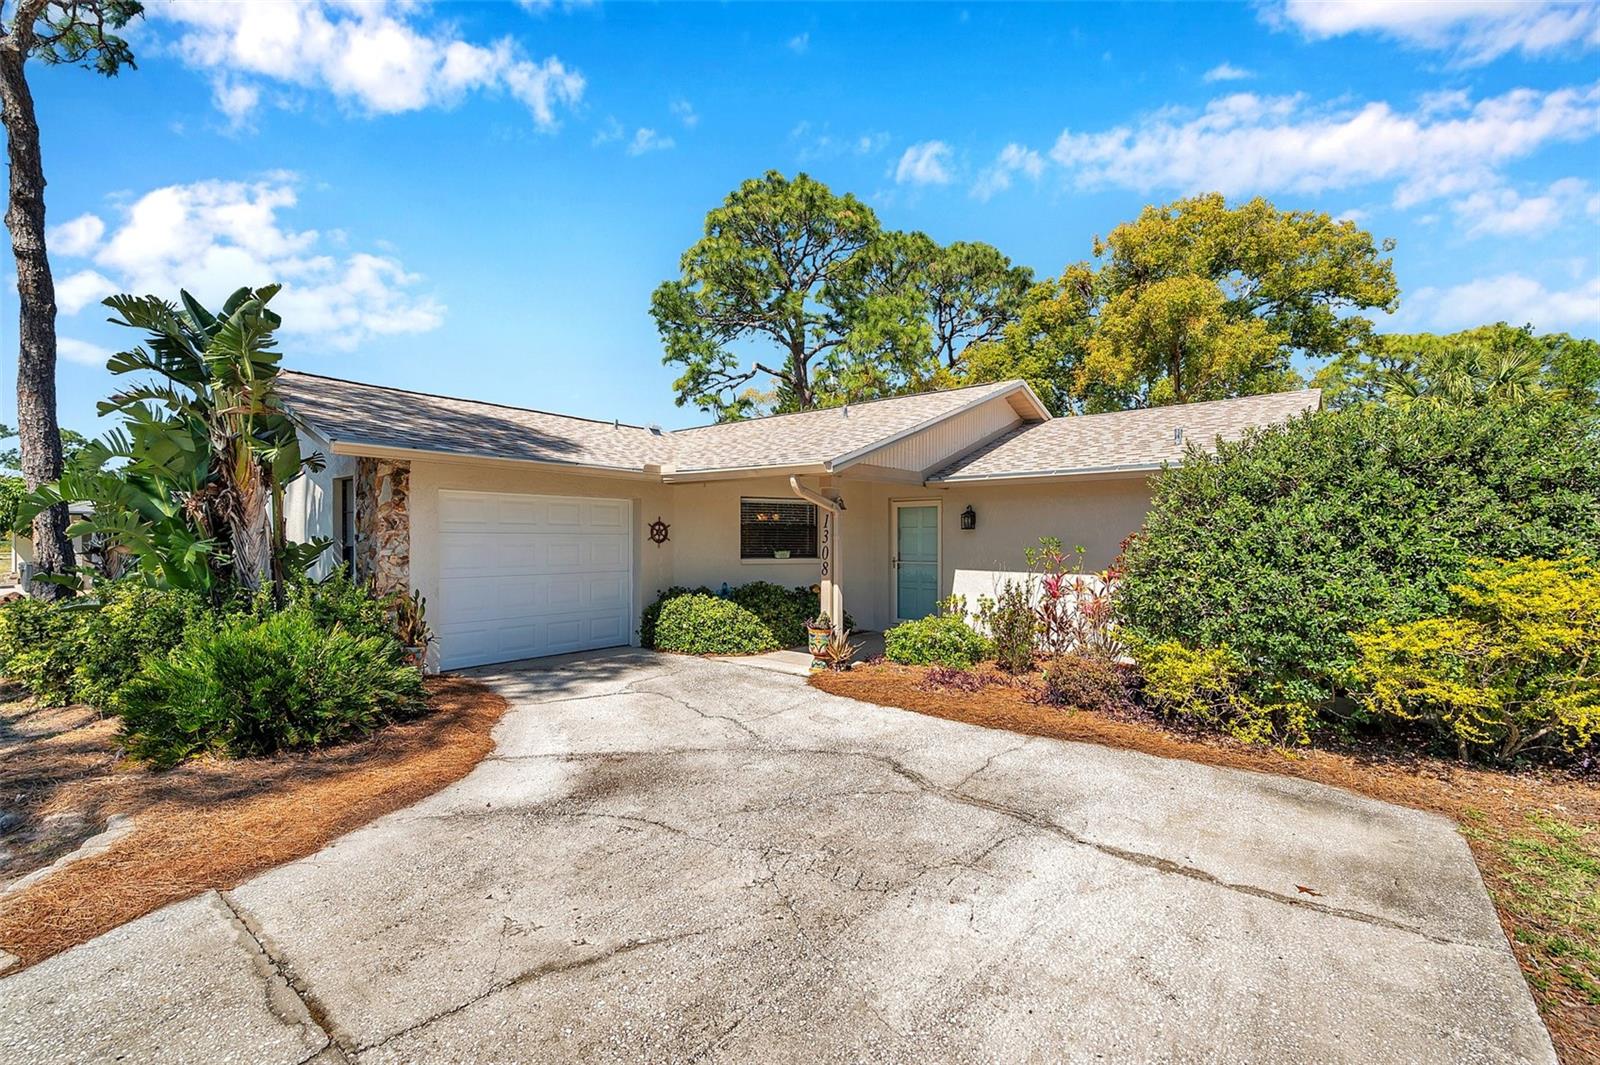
{"x": 1470, "y": 373}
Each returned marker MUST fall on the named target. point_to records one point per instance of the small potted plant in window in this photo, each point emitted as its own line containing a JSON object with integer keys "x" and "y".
{"x": 819, "y": 633}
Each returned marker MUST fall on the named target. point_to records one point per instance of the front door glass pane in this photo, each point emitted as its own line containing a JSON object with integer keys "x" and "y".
{"x": 917, "y": 549}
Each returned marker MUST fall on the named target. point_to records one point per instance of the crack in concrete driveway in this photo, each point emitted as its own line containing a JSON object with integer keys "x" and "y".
{"x": 673, "y": 859}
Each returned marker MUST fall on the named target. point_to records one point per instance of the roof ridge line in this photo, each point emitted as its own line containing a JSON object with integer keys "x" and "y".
{"x": 856, "y": 403}
{"x": 480, "y": 402}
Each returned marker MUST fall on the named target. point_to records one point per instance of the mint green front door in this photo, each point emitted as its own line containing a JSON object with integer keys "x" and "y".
{"x": 916, "y": 564}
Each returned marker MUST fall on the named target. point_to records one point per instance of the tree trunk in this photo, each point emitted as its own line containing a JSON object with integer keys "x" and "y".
{"x": 251, "y": 530}
{"x": 38, "y": 433}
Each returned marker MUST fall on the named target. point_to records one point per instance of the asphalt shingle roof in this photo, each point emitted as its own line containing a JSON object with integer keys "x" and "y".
{"x": 349, "y": 412}
{"x": 1125, "y": 439}
{"x": 816, "y": 436}
{"x": 353, "y": 413}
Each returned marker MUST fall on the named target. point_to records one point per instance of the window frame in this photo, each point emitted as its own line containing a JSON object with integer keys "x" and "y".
{"x": 344, "y": 521}
{"x": 762, "y": 560}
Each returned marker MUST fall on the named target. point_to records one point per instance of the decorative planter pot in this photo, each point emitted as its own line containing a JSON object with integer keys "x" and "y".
{"x": 817, "y": 640}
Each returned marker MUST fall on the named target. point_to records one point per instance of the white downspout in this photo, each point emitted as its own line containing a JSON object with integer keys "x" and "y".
{"x": 831, "y": 599}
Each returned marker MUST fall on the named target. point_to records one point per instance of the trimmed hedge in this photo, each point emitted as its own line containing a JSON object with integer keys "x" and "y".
{"x": 935, "y": 641}
{"x": 784, "y": 611}
{"x": 706, "y": 625}
{"x": 1280, "y": 546}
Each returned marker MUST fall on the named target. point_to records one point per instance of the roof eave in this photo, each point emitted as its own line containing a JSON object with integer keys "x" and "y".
{"x": 358, "y": 448}
{"x": 1061, "y": 473}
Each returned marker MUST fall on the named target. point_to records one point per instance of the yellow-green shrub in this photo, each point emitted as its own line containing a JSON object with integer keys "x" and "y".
{"x": 1204, "y": 685}
{"x": 1517, "y": 666}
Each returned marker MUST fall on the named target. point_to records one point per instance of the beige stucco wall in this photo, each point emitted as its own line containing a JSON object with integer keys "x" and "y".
{"x": 1095, "y": 513}
{"x": 704, "y": 519}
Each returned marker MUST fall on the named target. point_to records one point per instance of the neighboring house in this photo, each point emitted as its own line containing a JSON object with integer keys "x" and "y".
{"x": 16, "y": 555}
{"x": 529, "y": 532}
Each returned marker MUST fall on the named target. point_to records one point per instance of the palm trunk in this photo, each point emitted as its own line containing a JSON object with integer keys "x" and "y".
{"x": 251, "y": 529}
{"x": 37, "y": 429}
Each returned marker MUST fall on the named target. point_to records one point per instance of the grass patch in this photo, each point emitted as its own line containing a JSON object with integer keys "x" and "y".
{"x": 1548, "y": 877}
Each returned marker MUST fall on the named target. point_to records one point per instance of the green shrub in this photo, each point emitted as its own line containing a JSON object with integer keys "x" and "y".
{"x": 706, "y": 625}
{"x": 41, "y": 645}
{"x": 942, "y": 640}
{"x": 133, "y": 622}
{"x": 1204, "y": 687}
{"x": 1013, "y": 626}
{"x": 784, "y": 611}
{"x": 650, "y": 614}
{"x": 1516, "y": 665}
{"x": 339, "y": 600}
{"x": 1282, "y": 545}
{"x": 1088, "y": 682}
{"x": 244, "y": 686}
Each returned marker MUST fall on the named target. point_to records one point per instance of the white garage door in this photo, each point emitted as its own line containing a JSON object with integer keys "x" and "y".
{"x": 523, "y": 576}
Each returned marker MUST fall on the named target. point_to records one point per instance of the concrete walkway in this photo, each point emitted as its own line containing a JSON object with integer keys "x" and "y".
{"x": 670, "y": 860}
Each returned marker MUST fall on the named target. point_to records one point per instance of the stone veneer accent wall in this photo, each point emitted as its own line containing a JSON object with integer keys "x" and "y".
{"x": 383, "y": 524}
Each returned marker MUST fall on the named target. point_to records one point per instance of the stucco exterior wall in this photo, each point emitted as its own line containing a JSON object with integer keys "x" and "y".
{"x": 652, "y": 565}
{"x": 308, "y": 500}
{"x": 704, "y": 520}
{"x": 1095, "y": 513}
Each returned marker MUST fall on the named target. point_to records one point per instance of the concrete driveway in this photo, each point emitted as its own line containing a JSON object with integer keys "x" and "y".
{"x": 669, "y": 859}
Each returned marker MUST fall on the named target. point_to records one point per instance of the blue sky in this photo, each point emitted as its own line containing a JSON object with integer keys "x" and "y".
{"x": 479, "y": 198}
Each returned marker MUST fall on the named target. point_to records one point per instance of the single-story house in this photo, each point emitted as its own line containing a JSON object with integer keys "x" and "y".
{"x": 532, "y": 533}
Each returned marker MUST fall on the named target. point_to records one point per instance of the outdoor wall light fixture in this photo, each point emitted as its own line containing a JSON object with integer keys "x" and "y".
{"x": 969, "y": 518}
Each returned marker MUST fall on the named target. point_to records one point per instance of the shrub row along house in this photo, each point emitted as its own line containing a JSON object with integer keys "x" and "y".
{"x": 533, "y": 533}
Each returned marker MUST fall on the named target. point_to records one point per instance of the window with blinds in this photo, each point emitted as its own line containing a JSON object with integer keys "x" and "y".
{"x": 777, "y": 528}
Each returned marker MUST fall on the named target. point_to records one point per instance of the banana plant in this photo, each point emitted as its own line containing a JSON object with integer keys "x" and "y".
{"x": 195, "y": 474}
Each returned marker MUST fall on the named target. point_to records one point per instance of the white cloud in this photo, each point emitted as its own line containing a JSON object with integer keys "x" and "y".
{"x": 1013, "y": 159}
{"x": 820, "y": 142}
{"x": 1226, "y": 72}
{"x": 1247, "y": 143}
{"x": 81, "y": 351}
{"x": 648, "y": 140}
{"x": 927, "y": 163}
{"x": 211, "y": 237}
{"x": 374, "y": 56}
{"x": 610, "y": 130}
{"x": 1503, "y": 212}
{"x": 800, "y": 43}
{"x": 1476, "y": 31}
{"x": 76, "y": 238}
{"x": 77, "y": 291}
{"x": 1510, "y": 297}
{"x": 685, "y": 113}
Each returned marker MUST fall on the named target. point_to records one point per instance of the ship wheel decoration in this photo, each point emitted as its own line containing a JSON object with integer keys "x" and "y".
{"x": 658, "y": 532}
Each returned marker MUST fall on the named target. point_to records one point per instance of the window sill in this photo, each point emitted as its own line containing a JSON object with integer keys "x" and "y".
{"x": 777, "y": 561}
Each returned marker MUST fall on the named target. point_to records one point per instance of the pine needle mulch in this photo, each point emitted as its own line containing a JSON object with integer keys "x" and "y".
{"x": 212, "y": 823}
{"x": 1535, "y": 835}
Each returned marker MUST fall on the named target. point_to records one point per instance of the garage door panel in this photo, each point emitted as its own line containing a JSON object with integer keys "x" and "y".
{"x": 513, "y": 512}
{"x": 607, "y": 514}
{"x": 608, "y": 593}
{"x": 524, "y": 576}
{"x": 564, "y": 515}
